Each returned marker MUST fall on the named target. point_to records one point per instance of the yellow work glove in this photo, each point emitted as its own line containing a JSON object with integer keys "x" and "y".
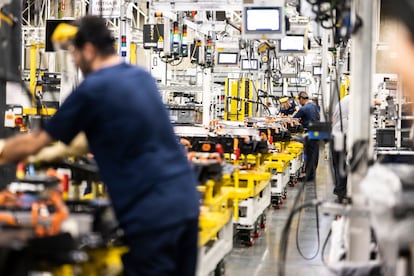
{"x": 78, "y": 147}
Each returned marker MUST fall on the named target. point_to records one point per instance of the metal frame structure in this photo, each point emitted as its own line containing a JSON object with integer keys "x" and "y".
{"x": 359, "y": 133}
{"x": 36, "y": 12}
{"x": 134, "y": 14}
{"x": 186, "y": 5}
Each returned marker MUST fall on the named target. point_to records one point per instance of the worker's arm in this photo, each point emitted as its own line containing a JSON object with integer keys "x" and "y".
{"x": 59, "y": 150}
{"x": 20, "y": 146}
{"x": 298, "y": 114}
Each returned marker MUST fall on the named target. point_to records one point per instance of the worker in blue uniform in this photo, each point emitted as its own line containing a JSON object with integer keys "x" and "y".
{"x": 287, "y": 106}
{"x": 309, "y": 113}
{"x": 339, "y": 158}
{"x": 151, "y": 185}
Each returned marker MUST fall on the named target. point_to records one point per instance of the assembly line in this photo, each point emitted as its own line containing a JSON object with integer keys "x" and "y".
{"x": 193, "y": 138}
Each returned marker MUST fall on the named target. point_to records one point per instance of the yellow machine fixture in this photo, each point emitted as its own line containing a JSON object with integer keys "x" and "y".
{"x": 344, "y": 86}
{"x": 239, "y": 99}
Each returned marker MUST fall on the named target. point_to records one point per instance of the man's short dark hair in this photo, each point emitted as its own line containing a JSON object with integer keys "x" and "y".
{"x": 402, "y": 10}
{"x": 93, "y": 29}
{"x": 303, "y": 95}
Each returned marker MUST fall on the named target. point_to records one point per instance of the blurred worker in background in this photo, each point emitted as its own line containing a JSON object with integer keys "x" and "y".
{"x": 271, "y": 109}
{"x": 309, "y": 113}
{"x": 151, "y": 184}
{"x": 287, "y": 106}
{"x": 338, "y": 146}
{"x": 315, "y": 100}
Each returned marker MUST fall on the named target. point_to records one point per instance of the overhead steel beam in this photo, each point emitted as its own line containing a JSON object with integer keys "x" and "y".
{"x": 185, "y": 5}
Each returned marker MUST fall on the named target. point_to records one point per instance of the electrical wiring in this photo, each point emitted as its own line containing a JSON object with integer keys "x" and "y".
{"x": 170, "y": 61}
{"x": 180, "y": 60}
{"x": 323, "y": 259}
{"x": 259, "y": 99}
{"x": 325, "y": 244}
{"x": 315, "y": 196}
{"x": 166, "y": 59}
{"x": 255, "y": 88}
{"x": 38, "y": 95}
{"x": 286, "y": 230}
{"x": 284, "y": 238}
{"x": 317, "y": 232}
{"x": 325, "y": 14}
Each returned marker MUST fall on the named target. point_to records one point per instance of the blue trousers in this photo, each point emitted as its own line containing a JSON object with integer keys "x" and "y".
{"x": 312, "y": 158}
{"x": 338, "y": 163}
{"x": 169, "y": 251}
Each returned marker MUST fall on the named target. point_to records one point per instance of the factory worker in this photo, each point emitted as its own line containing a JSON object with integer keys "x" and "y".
{"x": 288, "y": 107}
{"x": 315, "y": 100}
{"x": 309, "y": 113}
{"x": 339, "y": 158}
{"x": 150, "y": 182}
{"x": 271, "y": 109}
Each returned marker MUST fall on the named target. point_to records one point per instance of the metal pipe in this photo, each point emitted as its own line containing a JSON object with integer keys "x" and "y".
{"x": 207, "y": 87}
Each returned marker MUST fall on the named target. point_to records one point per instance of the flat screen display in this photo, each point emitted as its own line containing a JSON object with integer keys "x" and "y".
{"x": 227, "y": 58}
{"x": 292, "y": 43}
{"x": 249, "y": 64}
{"x": 317, "y": 70}
{"x": 262, "y": 19}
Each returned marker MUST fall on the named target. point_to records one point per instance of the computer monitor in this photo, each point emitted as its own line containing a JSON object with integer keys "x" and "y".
{"x": 293, "y": 45}
{"x": 317, "y": 70}
{"x": 264, "y": 22}
{"x": 249, "y": 64}
{"x": 227, "y": 58}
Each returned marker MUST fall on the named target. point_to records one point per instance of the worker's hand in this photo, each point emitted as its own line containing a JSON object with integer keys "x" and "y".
{"x": 78, "y": 147}
{"x": 50, "y": 153}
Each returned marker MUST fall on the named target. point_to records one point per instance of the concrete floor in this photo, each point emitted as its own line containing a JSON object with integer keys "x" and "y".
{"x": 261, "y": 259}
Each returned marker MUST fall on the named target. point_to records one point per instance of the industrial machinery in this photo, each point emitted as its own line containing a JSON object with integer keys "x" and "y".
{"x": 43, "y": 232}
{"x": 240, "y": 55}
{"x": 183, "y": 108}
{"x": 216, "y": 228}
{"x": 285, "y": 158}
{"x": 216, "y": 207}
{"x": 242, "y": 151}
{"x": 247, "y": 150}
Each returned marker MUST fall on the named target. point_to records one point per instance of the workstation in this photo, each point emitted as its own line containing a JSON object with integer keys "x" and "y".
{"x": 252, "y": 137}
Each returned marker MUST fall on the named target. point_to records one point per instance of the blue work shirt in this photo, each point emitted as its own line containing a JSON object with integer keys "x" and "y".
{"x": 290, "y": 110}
{"x": 308, "y": 113}
{"x": 149, "y": 180}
